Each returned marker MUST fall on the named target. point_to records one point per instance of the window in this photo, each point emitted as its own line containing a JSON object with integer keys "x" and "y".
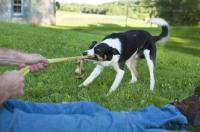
{"x": 17, "y": 7}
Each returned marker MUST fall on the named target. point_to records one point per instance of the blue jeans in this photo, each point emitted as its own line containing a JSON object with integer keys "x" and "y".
{"x": 20, "y": 116}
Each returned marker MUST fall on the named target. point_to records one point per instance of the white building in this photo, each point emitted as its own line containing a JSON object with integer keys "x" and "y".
{"x": 36, "y": 12}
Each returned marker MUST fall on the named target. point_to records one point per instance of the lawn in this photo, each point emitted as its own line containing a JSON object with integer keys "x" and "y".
{"x": 176, "y": 70}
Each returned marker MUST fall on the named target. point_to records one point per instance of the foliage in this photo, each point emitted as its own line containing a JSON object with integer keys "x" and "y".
{"x": 112, "y": 8}
{"x": 176, "y": 70}
{"x": 179, "y": 12}
{"x": 176, "y": 12}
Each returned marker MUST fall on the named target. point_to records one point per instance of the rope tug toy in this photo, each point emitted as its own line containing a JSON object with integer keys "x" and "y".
{"x": 26, "y": 69}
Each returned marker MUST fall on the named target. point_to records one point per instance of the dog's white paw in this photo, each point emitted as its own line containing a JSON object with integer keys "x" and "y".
{"x": 80, "y": 85}
{"x": 151, "y": 88}
{"x": 152, "y": 84}
{"x": 109, "y": 92}
{"x": 133, "y": 81}
{"x": 83, "y": 84}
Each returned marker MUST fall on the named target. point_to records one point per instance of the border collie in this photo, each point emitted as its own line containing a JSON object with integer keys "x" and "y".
{"x": 126, "y": 48}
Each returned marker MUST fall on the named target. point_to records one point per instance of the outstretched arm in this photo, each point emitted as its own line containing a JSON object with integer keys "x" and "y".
{"x": 20, "y": 59}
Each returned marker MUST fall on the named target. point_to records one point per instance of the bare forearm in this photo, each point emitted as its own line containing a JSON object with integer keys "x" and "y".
{"x": 11, "y": 57}
{"x": 4, "y": 95}
{"x": 3, "y": 98}
{"x": 20, "y": 59}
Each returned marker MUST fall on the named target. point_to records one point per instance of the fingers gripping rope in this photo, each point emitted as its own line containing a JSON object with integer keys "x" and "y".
{"x": 26, "y": 69}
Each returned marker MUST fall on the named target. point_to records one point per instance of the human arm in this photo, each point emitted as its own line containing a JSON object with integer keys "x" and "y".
{"x": 11, "y": 82}
{"x": 11, "y": 85}
{"x": 20, "y": 59}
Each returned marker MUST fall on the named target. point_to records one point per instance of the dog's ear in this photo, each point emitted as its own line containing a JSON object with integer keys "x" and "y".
{"x": 111, "y": 52}
{"x": 93, "y": 44}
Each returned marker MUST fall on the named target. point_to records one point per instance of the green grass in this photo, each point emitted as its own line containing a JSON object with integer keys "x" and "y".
{"x": 176, "y": 71}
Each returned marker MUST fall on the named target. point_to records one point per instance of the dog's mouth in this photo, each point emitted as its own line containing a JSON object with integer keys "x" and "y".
{"x": 92, "y": 57}
{"x": 95, "y": 58}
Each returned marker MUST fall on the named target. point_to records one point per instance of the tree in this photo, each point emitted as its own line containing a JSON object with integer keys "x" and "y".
{"x": 179, "y": 12}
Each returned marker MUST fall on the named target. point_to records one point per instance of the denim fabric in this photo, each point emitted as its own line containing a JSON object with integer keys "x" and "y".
{"x": 20, "y": 116}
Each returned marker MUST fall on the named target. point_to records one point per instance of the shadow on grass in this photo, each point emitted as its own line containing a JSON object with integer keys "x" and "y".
{"x": 104, "y": 29}
{"x": 186, "y": 39}
{"x": 183, "y": 48}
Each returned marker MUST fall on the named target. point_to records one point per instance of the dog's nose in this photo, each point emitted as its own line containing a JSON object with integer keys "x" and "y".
{"x": 84, "y": 53}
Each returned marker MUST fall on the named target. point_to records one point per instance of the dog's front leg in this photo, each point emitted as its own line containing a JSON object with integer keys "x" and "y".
{"x": 150, "y": 66}
{"x": 118, "y": 79}
{"x": 93, "y": 75}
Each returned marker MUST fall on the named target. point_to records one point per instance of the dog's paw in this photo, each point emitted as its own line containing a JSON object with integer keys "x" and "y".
{"x": 108, "y": 94}
{"x": 151, "y": 88}
{"x": 80, "y": 85}
{"x": 83, "y": 84}
{"x": 152, "y": 84}
{"x": 110, "y": 91}
{"x": 133, "y": 81}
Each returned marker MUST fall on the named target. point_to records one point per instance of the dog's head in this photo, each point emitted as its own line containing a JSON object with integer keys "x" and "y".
{"x": 101, "y": 52}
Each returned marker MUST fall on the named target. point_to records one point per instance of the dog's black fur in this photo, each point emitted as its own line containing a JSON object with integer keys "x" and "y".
{"x": 132, "y": 41}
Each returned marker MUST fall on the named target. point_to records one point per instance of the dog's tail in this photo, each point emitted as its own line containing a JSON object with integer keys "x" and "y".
{"x": 163, "y": 37}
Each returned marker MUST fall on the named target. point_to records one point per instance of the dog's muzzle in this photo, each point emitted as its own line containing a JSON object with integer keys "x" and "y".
{"x": 96, "y": 58}
{"x": 90, "y": 58}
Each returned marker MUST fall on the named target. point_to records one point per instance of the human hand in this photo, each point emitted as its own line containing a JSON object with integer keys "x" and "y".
{"x": 11, "y": 85}
{"x": 36, "y": 61}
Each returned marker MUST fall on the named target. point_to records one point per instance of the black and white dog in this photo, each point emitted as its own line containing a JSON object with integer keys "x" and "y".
{"x": 126, "y": 48}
